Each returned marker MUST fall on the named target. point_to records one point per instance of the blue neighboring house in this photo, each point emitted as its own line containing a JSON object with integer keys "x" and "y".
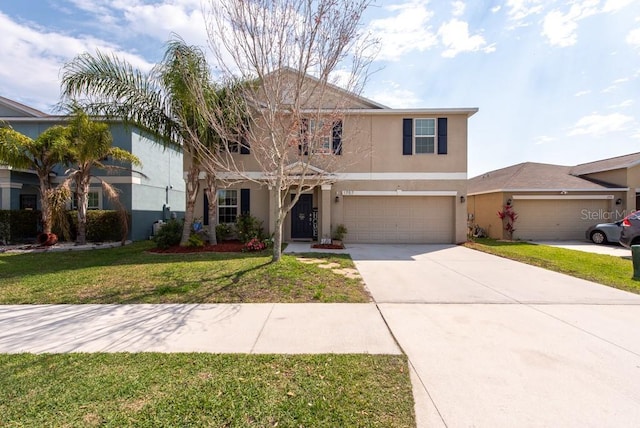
{"x": 153, "y": 196}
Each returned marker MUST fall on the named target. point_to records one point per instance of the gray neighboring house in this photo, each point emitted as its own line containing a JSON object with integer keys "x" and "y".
{"x": 154, "y": 196}
{"x": 555, "y": 202}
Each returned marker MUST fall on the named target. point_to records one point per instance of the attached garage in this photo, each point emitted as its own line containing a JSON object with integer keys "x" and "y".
{"x": 558, "y": 219}
{"x": 400, "y": 219}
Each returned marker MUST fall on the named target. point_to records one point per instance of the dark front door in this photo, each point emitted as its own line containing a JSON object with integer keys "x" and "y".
{"x": 301, "y": 218}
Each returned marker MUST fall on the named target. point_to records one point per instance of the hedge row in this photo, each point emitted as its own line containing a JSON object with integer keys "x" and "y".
{"x": 22, "y": 225}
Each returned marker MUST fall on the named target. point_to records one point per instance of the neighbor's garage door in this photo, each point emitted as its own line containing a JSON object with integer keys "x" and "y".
{"x": 556, "y": 219}
{"x": 401, "y": 219}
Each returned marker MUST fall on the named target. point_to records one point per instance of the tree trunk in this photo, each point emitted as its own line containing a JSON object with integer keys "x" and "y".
{"x": 212, "y": 196}
{"x": 191, "y": 195}
{"x": 277, "y": 236}
{"x": 45, "y": 205}
{"x": 82, "y": 189}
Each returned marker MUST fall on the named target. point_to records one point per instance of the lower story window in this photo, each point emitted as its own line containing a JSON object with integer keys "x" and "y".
{"x": 93, "y": 199}
{"x": 227, "y": 206}
{"x": 27, "y": 202}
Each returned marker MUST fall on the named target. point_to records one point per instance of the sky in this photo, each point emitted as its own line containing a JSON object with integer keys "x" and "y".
{"x": 554, "y": 81}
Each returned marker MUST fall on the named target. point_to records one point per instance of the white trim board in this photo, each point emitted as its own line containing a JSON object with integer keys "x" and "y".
{"x": 609, "y": 189}
{"x": 354, "y": 176}
{"x": 554, "y": 197}
{"x": 399, "y": 193}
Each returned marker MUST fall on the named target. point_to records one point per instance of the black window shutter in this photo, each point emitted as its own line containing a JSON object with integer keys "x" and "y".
{"x": 245, "y": 201}
{"x": 337, "y": 137}
{"x": 244, "y": 141}
{"x": 244, "y": 146}
{"x": 303, "y": 147}
{"x": 205, "y": 216}
{"x": 442, "y": 135}
{"x": 407, "y": 136}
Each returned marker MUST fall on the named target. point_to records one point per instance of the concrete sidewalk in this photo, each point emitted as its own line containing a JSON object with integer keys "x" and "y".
{"x": 223, "y": 328}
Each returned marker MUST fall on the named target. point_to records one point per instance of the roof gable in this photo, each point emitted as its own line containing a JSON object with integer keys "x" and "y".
{"x": 10, "y": 108}
{"x": 331, "y": 97}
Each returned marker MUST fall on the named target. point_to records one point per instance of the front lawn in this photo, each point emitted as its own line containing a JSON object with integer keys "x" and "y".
{"x": 604, "y": 269}
{"x": 205, "y": 390}
{"x": 131, "y": 275}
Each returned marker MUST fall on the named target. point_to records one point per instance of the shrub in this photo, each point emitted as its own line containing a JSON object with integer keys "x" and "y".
{"x": 224, "y": 231}
{"x": 340, "y": 232}
{"x": 19, "y": 225}
{"x": 249, "y": 227}
{"x": 169, "y": 234}
{"x": 195, "y": 241}
{"x": 102, "y": 225}
{"x": 254, "y": 245}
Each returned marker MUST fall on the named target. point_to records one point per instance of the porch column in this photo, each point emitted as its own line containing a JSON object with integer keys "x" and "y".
{"x": 272, "y": 213}
{"x": 325, "y": 226}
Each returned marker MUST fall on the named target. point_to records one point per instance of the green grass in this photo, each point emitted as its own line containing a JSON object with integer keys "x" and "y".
{"x": 613, "y": 271}
{"x": 205, "y": 390}
{"x": 131, "y": 275}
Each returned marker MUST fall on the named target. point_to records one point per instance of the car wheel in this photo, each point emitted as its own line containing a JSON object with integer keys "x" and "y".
{"x": 598, "y": 237}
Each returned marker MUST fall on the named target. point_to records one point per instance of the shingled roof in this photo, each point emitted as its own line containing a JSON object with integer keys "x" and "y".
{"x": 532, "y": 176}
{"x": 618, "y": 162}
{"x": 18, "y": 109}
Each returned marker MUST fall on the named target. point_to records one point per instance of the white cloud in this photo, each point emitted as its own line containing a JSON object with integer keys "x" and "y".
{"x": 623, "y": 104}
{"x": 33, "y": 58}
{"x": 406, "y": 31}
{"x": 496, "y": 9}
{"x": 561, "y": 28}
{"x": 392, "y": 94}
{"x": 582, "y": 93}
{"x": 599, "y": 125}
{"x": 519, "y": 10}
{"x": 458, "y": 8}
{"x": 616, "y": 5}
{"x": 456, "y": 39}
{"x": 633, "y": 38}
{"x": 544, "y": 139}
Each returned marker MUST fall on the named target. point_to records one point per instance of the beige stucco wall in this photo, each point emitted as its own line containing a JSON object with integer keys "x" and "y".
{"x": 616, "y": 176}
{"x": 484, "y": 210}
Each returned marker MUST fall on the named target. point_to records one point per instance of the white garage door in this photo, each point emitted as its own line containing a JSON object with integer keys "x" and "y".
{"x": 556, "y": 219}
{"x": 406, "y": 219}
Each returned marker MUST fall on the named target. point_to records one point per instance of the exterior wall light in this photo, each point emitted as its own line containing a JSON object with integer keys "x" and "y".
{"x": 462, "y": 199}
{"x": 619, "y": 201}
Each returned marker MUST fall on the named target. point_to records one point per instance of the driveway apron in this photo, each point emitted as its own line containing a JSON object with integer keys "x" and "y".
{"x": 497, "y": 343}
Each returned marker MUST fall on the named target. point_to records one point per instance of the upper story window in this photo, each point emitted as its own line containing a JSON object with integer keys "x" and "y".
{"x": 320, "y": 136}
{"x": 424, "y": 135}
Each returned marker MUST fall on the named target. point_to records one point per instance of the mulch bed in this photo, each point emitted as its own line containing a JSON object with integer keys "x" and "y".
{"x": 223, "y": 247}
{"x": 328, "y": 246}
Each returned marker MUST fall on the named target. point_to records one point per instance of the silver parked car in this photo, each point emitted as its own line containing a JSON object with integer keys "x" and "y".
{"x": 604, "y": 233}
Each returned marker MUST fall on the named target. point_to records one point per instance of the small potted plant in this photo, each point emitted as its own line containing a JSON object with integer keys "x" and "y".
{"x": 338, "y": 234}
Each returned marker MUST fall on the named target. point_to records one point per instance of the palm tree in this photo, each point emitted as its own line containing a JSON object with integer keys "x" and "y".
{"x": 41, "y": 155}
{"x": 91, "y": 144}
{"x": 159, "y": 102}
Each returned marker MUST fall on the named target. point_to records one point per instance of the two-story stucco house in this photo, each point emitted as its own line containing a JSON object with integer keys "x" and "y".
{"x": 405, "y": 181}
{"x": 149, "y": 197}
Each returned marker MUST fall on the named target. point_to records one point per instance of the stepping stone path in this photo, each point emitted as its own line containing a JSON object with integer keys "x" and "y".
{"x": 335, "y": 267}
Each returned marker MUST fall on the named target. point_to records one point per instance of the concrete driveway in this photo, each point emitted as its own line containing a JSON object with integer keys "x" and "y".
{"x": 496, "y": 343}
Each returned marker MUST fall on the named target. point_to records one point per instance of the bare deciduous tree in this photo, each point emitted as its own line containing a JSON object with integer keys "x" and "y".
{"x": 299, "y": 64}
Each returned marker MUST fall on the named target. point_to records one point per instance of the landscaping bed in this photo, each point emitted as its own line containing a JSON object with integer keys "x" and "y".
{"x": 222, "y": 247}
